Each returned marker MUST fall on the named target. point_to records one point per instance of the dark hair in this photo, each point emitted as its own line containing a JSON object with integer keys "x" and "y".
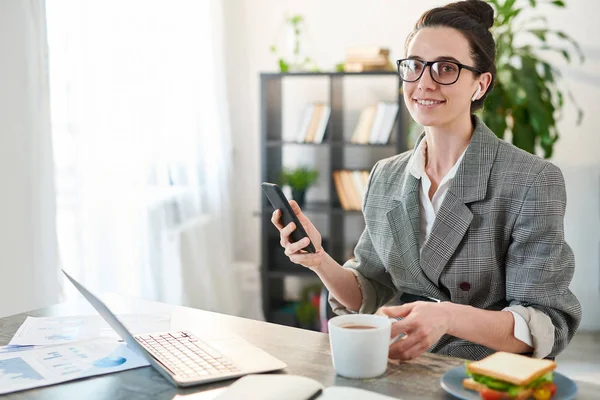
{"x": 473, "y": 18}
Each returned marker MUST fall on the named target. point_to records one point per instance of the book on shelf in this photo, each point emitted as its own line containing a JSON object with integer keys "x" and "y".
{"x": 354, "y": 66}
{"x": 339, "y": 189}
{"x": 313, "y": 123}
{"x": 375, "y": 124}
{"x": 363, "y": 126}
{"x": 350, "y": 187}
{"x": 365, "y": 59}
{"x": 370, "y": 51}
{"x": 351, "y": 190}
{"x": 379, "y": 61}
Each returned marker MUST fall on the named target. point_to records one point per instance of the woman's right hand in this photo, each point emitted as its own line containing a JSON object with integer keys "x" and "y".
{"x": 294, "y": 250}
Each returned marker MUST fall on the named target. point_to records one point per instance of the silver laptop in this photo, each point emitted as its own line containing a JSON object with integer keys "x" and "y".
{"x": 184, "y": 359}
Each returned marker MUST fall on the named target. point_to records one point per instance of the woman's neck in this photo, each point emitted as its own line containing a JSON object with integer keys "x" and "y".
{"x": 445, "y": 144}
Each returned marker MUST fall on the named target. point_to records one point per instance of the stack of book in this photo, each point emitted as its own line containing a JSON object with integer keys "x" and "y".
{"x": 364, "y": 59}
{"x": 350, "y": 187}
{"x": 313, "y": 123}
{"x": 375, "y": 124}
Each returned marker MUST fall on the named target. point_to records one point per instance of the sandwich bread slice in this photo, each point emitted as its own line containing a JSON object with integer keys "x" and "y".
{"x": 511, "y": 376}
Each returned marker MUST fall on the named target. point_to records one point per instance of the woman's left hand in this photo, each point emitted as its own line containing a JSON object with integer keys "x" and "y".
{"x": 424, "y": 324}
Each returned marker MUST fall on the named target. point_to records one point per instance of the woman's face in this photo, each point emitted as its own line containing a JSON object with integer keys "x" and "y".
{"x": 451, "y": 103}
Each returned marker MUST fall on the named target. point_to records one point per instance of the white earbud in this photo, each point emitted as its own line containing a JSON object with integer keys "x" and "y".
{"x": 476, "y": 94}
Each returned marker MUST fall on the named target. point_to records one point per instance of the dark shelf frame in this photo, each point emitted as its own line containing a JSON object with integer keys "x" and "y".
{"x": 275, "y": 266}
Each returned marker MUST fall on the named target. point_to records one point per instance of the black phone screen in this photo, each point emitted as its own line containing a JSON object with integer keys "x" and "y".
{"x": 280, "y": 202}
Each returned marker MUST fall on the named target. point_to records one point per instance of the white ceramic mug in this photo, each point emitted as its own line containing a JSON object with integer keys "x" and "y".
{"x": 359, "y": 353}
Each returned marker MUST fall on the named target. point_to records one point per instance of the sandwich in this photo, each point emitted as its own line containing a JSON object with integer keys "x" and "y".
{"x": 511, "y": 376}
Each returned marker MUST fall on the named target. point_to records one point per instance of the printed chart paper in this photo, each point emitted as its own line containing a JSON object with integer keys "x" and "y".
{"x": 44, "y": 331}
{"x": 49, "y": 365}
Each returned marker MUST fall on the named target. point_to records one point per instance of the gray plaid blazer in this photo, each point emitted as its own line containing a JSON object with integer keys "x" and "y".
{"x": 497, "y": 240}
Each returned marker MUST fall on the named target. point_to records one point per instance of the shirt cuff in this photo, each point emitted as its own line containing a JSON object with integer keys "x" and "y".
{"x": 521, "y": 331}
{"x": 541, "y": 329}
{"x": 369, "y": 297}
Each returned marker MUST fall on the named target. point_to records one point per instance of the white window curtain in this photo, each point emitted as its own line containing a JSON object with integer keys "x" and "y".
{"x": 29, "y": 277}
{"x": 142, "y": 148}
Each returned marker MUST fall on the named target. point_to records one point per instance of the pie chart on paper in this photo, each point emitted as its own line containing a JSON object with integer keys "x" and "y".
{"x": 109, "y": 362}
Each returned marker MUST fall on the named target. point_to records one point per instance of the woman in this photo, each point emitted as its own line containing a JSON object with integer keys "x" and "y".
{"x": 464, "y": 218}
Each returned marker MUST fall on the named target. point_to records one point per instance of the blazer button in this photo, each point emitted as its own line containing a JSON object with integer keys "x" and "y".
{"x": 465, "y": 286}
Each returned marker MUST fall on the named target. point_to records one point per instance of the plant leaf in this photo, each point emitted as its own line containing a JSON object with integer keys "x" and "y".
{"x": 283, "y": 66}
{"x": 512, "y": 14}
{"x": 568, "y": 38}
{"x": 539, "y": 33}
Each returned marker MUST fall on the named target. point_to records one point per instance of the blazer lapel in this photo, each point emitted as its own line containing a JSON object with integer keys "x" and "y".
{"x": 454, "y": 217}
{"x": 405, "y": 226}
{"x": 451, "y": 224}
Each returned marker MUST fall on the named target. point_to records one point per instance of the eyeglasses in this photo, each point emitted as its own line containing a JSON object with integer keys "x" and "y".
{"x": 442, "y": 72}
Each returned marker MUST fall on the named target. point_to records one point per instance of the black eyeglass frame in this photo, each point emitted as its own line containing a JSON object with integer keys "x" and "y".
{"x": 430, "y": 64}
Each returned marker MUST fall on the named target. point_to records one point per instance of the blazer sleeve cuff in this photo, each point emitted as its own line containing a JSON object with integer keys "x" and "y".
{"x": 541, "y": 329}
{"x": 369, "y": 297}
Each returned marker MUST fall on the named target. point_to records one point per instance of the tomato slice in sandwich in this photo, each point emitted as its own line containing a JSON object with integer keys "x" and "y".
{"x": 490, "y": 394}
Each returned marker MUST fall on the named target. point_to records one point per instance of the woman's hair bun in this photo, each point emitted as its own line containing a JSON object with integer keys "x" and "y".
{"x": 478, "y": 10}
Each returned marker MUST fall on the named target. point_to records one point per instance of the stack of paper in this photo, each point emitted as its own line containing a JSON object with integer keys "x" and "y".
{"x": 46, "y": 351}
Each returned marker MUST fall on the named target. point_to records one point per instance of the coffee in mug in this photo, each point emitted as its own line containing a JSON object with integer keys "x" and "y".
{"x": 354, "y": 326}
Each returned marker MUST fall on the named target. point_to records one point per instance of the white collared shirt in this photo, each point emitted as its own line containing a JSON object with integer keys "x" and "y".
{"x": 430, "y": 207}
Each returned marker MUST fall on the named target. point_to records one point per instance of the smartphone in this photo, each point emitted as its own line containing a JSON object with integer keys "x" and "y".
{"x": 280, "y": 202}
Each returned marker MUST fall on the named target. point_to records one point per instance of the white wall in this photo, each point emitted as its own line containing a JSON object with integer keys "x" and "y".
{"x": 28, "y": 277}
{"x": 333, "y": 25}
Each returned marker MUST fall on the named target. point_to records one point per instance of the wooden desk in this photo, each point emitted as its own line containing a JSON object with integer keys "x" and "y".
{"x": 305, "y": 352}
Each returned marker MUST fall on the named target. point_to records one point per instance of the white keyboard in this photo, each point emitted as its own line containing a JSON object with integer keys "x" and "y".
{"x": 185, "y": 355}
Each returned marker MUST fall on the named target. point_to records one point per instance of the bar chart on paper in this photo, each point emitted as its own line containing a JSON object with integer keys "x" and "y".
{"x": 54, "y": 364}
{"x": 17, "y": 368}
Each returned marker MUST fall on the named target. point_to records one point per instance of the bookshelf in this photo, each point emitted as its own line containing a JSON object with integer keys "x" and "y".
{"x": 275, "y": 266}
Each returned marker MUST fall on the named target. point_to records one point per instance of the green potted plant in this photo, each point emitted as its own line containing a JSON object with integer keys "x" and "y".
{"x": 299, "y": 180}
{"x": 306, "y": 309}
{"x": 291, "y": 55}
{"x": 527, "y": 97}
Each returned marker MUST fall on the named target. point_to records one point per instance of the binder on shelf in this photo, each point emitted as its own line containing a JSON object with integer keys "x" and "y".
{"x": 313, "y": 123}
